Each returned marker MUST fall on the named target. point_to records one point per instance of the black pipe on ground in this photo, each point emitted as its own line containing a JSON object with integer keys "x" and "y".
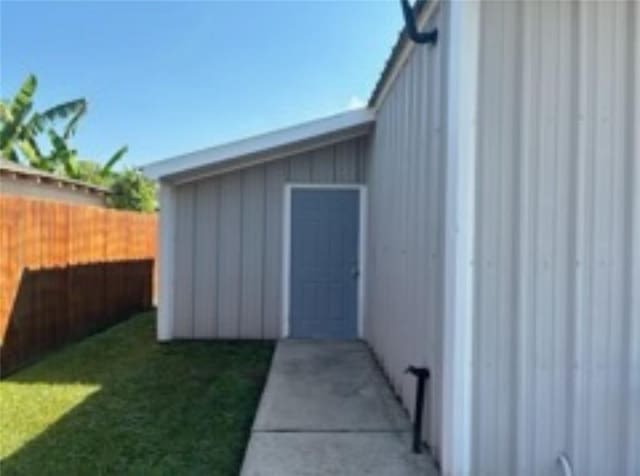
{"x": 422, "y": 374}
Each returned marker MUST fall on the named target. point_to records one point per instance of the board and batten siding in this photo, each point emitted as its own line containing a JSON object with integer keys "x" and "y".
{"x": 557, "y": 278}
{"x": 228, "y": 255}
{"x": 404, "y": 298}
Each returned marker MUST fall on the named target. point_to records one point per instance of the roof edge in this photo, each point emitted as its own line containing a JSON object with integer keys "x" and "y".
{"x": 422, "y": 9}
{"x": 228, "y": 152}
{"x": 7, "y": 166}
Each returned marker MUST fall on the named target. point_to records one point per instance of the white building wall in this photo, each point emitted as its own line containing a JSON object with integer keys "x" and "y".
{"x": 557, "y": 282}
{"x": 556, "y": 307}
{"x": 227, "y": 259}
{"x": 404, "y": 308}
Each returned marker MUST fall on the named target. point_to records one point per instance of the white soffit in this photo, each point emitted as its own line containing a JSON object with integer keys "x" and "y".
{"x": 271, "y": 145}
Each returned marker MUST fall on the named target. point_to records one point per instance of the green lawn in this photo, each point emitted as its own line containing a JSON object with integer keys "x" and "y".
{"x": 119, "y": 403}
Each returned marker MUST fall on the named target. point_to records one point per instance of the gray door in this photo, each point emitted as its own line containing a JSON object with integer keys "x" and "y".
{"x": 324, "y": 264}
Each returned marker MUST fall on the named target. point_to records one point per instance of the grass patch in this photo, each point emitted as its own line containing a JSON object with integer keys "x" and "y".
{"x": 120, "y": 403}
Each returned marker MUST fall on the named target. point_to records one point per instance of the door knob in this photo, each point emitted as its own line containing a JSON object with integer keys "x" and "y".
{"x": 355, "y": 272}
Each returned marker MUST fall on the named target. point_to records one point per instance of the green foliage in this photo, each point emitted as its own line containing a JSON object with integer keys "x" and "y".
{"x": 92, "y": 172}
{"x": 107, "y": 169}
{"x": 131, "y": 190}
{"x": 12, "y": 117}
{"x": 62, "y": 158}
{"x": 19, "y": 128}
{"x": 19, "y": 133}
{"x": 72, "y": 110}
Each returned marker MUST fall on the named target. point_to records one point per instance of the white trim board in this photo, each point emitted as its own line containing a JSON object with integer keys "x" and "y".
{"x": 286, "y": 247}
{"x": 463, "y": 31}
{"x": 166, "y": 262}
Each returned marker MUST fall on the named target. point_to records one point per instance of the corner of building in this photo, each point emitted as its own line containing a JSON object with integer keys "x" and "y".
{"x": 462, "y": 24}
{"x": 166, "y": 258}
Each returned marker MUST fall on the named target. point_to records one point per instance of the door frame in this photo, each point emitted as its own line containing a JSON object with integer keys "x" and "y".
{"x": 286, "y": 246}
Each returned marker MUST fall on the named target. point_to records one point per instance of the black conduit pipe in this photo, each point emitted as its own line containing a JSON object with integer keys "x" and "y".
{"x": 422, "y": 374}
{"x": 430, "y": 37}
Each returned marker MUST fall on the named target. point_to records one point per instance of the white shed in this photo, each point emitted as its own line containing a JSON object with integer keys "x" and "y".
{"x": 481, "y": 217}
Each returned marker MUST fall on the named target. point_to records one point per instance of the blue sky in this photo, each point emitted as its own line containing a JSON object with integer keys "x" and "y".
{"x": 171, "y": 77}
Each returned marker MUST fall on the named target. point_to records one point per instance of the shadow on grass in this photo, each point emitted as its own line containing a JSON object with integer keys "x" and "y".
{"x": 180, "y": 408}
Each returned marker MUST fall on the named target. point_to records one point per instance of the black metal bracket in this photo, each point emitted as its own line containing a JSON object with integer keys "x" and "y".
{"x": 429, "y": 37}
{"x": 422, "y": 374}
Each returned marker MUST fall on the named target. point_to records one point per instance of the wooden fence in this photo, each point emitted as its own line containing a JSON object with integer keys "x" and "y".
{"x": 67, "y": 271}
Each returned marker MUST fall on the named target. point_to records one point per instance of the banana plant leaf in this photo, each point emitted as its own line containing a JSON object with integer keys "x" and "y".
{"x": 115, "y": 158}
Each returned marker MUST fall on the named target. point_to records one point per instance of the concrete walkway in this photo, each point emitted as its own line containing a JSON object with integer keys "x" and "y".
{"x": 327, "y": 410}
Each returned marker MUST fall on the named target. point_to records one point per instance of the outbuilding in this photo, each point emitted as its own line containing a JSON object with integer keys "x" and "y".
{"x": 481, "y": 217}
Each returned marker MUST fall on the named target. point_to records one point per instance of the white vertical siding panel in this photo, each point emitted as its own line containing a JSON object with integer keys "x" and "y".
{"x": 394, "y": 245}
{"x": 230, "y": 254}
{"x": 346, "y": 162}
{"x": 404, "y": 209}
{"x": 615, "y": 415}
{"x": 580, "y": 236}
{"x": 524, "y": 275}
{"x": 562, "y": 259}
{"x": 587, "y": 235}
{"x": 389, "y": 262}
{"x": 363, "y": 146}
{"x": 275, "y": 177}
{"x": 418, "y": 247}
{"x": 252, "y": 248}
{"x": 300, "y": 169}
{"x": 416, "y": 217}
{"x": 632, "y": 374}
{"x": 506, "y": 249}
{"x": 485, "y": 415}
{"x": 422, "y": 212}
{"x": 183, "y": 300}
{"x": 400, "y": 238}
{"x": 205, "y": 260}
{"x": 401, "y": 209}
{"x": 601, "y": 247}
{"x": 166, "y": 257}
{"x": 495, "y": 295}
{"x": 545, "y": 223}
{"x": 435, "y": 230}
{"x": 323, "y": 165}
{"x": 557, "y": 368}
